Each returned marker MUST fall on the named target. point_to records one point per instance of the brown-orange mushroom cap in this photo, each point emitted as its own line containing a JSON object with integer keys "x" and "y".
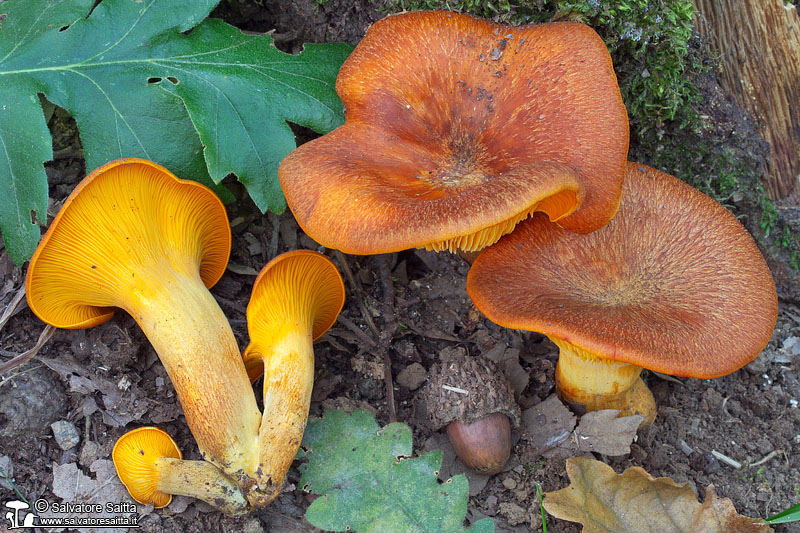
{"x": 458, "y": 128}
{"x": 134, "y": 236}
{"x": 296, "y": 298}
{"x": 673, "y": 283}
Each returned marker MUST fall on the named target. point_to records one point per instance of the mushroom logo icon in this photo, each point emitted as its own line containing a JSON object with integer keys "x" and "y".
{"x": 13, "y": 517}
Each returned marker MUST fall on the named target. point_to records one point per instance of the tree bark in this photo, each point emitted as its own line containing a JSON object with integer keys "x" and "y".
{"x": 758, "y": 45}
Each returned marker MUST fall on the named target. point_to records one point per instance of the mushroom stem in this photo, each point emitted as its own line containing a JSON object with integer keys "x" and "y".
{"x": 197, "y": 347}
{"x": 591, "y": 383}
{"x": 201, "y": 480}
{"x": 288, "y": 381}
{"x": 296, "y": 298}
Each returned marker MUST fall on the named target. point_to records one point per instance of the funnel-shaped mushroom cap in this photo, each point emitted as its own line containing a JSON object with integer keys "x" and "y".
{"x": 299, "y": 290}
{"x": 456, "y": 129}
{"x": 128, "y": 219}
{"x": 673, "y": 283}
{"x": 135, "y": 455}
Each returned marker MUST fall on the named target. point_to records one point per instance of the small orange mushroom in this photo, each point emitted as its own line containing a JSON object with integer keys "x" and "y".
{"x": 673, "y": 283}
{"x": 151, "y": 467}
{"x": 133, "y": 236}
{"x": 296, "y": 298}
{"x": 458, "y": 128}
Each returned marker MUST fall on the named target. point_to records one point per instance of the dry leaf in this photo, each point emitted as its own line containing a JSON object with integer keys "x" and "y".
{"x": 120, "y": 407}
{"x": 635, "y": 502}
{"x": 549, "y": 425}
{"x": 546, "y": 425}
{"x": 603, "y": 432}
{"x": 71, "y": 485}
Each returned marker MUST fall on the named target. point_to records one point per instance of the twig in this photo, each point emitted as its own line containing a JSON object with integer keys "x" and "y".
{"x": 384, "y": 338}
{"x": 352, "y": 326}
{"x": 727, "y": 460}
{"x": 16, "y": 304}
{"x": 23, "y": 358}
{"x": 389, "y": 327}
{"x": 10, "y": 377}
{"x": 771, "y": 455}
{"x": 359, "y": 291}
{"x": 273, "y": 243}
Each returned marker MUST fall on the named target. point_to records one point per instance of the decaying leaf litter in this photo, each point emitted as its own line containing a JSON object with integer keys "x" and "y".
{"x": 745, "y": 417}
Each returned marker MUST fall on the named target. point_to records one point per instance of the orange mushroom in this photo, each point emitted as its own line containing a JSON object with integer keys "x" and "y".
{"x": 673, "y": 283}
{"x": 133, "y": 236}
{"x": 296, "y": 298}
{"x": 458, "y": 128}
{"x": 151, "y": 467}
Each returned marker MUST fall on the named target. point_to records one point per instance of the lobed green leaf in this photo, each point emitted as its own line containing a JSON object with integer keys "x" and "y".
{"x": 152, "y": 79}
{"x": 368, "y": 482}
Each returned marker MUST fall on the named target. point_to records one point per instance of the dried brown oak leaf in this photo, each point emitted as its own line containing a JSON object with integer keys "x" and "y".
{"x": 636, "y": 502}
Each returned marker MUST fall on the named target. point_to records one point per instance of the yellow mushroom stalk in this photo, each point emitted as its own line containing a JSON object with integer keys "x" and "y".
{"x": 590, "y": 382}
{"x": 151, "y": 467}
{"x": 296, "y": 298}
{"x": 133, "y": 236}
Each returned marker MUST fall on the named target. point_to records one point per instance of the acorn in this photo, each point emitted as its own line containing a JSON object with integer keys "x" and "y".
{"x": 474, "y": 400}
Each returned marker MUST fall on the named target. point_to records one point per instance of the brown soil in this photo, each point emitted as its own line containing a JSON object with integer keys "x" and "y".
{"x": 421, "y": 297}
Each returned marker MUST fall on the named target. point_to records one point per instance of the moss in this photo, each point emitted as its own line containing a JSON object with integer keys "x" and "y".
{"x": 480, "y": 8}
{"x": 769, "y": 214}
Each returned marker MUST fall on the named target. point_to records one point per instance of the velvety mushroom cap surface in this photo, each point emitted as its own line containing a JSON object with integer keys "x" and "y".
{"x": 456, "y": 129}
{"x": 135, "y": 455}
{"x": 673, "y": 283}
{"x": 127, "y": 221}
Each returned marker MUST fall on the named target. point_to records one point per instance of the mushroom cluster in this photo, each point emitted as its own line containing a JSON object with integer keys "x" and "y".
{"x": 133, "y": 236}
{"x": 465, "y": 135}
{"x": 460, "y": 135}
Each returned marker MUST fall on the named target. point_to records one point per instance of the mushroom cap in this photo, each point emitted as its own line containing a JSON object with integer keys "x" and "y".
{"x": 135, "y": 455}
{"x": 128, "y": 218}
{"x": 456, "y": 125}
{"x": 673, "y": 283}
{"x": 297, "y": 289}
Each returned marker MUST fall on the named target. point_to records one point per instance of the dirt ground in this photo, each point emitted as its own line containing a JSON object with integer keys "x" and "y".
{"x": 107, "y": 380}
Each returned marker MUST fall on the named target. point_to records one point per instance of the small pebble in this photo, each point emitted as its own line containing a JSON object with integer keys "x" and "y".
{"x": 685, "y": 448}
{"x": 412, "y": 376}
{"x": 712, "y": 464}
{"x": 764, "y": 446}
{"x": 89, "y": 453}
{"x": 253, "y": 525}
{"x": 513, "y": 513}
{"x": 509, "y": 483}
{"x": 66, "y": 434}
